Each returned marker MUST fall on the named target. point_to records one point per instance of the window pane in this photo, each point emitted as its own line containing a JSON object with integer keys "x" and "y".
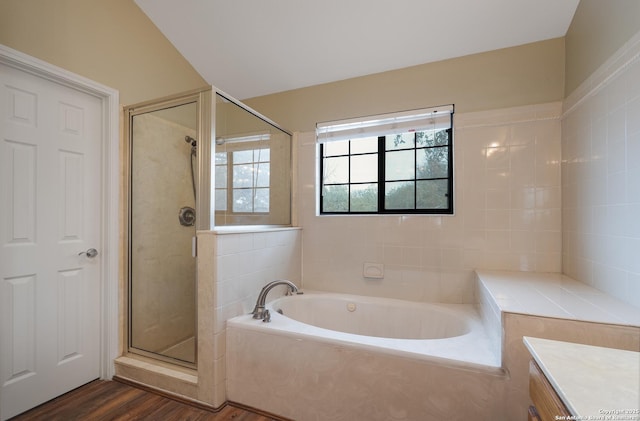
{"x": 262, "y": 155}
{"x": 364, "y": 145}
{"x": 242, "y": 200}
{"x": 364, "y": 168}
{"x": 243, "y": 157}
{"x": 432, "y": 194}
{"x": 221, "y": 200}
{"x": 243, "y": 175}
{"x": 399, "y": 195}
{"x": 399, "y": 141}
{"x": 261, "y": 200}
{"x": 400, "y": 165}
{"x": 415, "y": 176}
{"x": 432, "y": 162}
{"x": 433, "y": 138}
{"x": 262, "y": 179}
{"x": 364, "y": 197}
{"x": 441, "y": 138}
{"x": 221, "y": 176}
{"x": 336, "y": 170}
{"x": 335, "y": 199}
{"x": 336, "y": 148}
{"x": 221, "y": 158}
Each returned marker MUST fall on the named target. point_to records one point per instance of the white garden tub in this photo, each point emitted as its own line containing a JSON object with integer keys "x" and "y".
{"x": 335, "y": 356}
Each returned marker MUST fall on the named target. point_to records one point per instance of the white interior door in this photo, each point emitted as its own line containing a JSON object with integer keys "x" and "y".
{"x": 50, "y": 212}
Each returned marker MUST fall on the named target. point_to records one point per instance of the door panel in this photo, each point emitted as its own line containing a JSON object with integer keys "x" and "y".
{"x": 50, "y": 212}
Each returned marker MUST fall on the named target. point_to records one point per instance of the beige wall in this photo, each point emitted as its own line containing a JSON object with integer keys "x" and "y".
{"x": 599, "y": 28}
{"x": 524, "y": 75}
{"x": 109, "y": 41}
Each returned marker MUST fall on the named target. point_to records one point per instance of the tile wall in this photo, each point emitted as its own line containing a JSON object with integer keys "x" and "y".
{"x": 507, "y": 215}
{"x": 164, "y": 270}
{"x": 328, "y": 381}
{"x": 248, "y": 261}
{"x": 228, "y": 285}
{"x": 601, "y": 177}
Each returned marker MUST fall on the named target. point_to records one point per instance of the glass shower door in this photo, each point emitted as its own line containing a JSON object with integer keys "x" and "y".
{"x": 162, "y": 268}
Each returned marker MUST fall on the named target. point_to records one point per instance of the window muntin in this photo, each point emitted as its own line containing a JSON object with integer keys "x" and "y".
{"x": 221, "y": 176}
{"x": 413, "y": 173}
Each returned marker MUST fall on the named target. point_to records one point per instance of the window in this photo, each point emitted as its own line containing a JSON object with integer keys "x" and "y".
{"x": 397, "y": 163}
{"x": 248, "y": 170}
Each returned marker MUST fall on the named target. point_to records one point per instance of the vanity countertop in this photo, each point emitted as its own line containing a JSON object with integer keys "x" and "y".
{"x": 595, "y": 383}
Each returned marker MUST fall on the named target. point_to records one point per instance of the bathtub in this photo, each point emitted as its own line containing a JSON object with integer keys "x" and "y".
{"x": 326, "y": 356}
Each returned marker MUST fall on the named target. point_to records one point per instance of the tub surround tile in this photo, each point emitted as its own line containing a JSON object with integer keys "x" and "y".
{"x": 240, "y": 262}
{"x": 600, "y": 133}
{"x": 602, "y": 379}
{"x": 555, "y": 295}
{"x": 325, "y": 381}
{"x": 206, "y": 319}
{"x": 498, "y": 154}
{"x": 551, "y": 306}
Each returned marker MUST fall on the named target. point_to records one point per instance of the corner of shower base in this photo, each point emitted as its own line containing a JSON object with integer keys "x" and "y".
{"x": 179, "y": 381}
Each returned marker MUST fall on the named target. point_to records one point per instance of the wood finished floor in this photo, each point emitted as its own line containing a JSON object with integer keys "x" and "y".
{"x": 103, "y": 400}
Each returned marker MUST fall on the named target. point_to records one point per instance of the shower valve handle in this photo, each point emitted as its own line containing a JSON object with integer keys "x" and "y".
{"x": 91, "y": 253}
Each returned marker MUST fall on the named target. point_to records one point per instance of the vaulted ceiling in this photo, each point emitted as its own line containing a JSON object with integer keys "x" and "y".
{"x": 250, "y": 48}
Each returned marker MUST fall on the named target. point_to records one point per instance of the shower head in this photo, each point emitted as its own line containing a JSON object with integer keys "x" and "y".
{"x": 191, "y": 140}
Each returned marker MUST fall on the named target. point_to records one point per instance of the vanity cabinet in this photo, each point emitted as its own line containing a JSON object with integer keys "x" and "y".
{"x": 589, "y": 382}
{"x": 547, "y": 406}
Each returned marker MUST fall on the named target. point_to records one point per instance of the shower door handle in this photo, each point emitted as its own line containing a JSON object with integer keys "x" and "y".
{"x": 91, "y": 253}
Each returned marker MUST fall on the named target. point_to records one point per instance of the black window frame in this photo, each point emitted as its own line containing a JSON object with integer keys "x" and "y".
{"x": 449, "y": 210}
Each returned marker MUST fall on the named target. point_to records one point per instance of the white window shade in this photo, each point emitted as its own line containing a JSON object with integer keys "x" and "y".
{"x": 437, "y": 118}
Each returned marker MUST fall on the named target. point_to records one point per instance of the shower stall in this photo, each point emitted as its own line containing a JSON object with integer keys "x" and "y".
{"x": 197, "y": 161}
{"x": 162, "y": 216}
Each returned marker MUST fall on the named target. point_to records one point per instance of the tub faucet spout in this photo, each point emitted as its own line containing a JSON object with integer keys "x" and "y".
{"x": 258, "y": 310}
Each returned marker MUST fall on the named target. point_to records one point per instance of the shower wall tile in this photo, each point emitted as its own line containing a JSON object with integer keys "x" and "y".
{"x": 164, "y": 270}
{"x": 507, "y": 215}
{"x": 207, "y": 341}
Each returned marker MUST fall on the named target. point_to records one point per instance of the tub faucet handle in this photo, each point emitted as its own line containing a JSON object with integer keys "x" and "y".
{"x": 266, "y": 316}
